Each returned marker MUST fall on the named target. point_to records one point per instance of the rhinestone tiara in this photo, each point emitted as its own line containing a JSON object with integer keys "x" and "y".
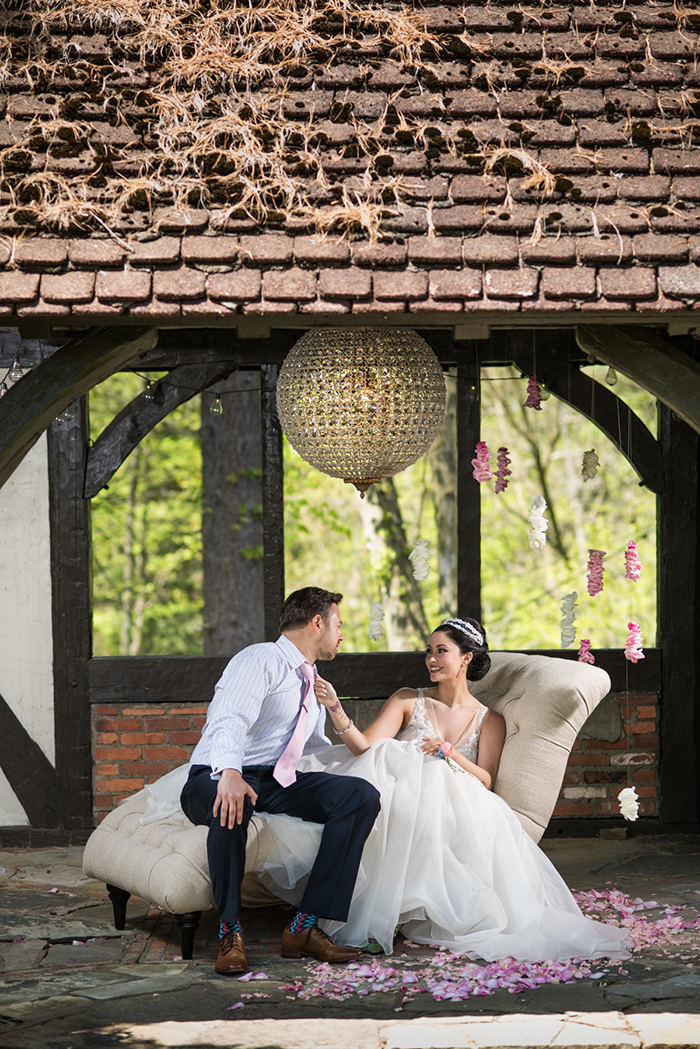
{"x": 466, "y": 628}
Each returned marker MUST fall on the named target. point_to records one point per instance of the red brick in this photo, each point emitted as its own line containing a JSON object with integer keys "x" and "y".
{"x": 238, "y": 286}
{"x": 118, "y": 724}
{"x": 107, "y": 770}
{"x": 167, "y": 753}
{"x": 129, "y": 738}
{"x": 185, "y": 738}
{"x": 478, "y": 189}
{"x": 107, "y": 737}
{"x": 646, "y": 740}
{"x": 70, "y": 288}
{"x": 490, "y": 250}
{"x": 166, "y": 723}
{"x": 573, "y": 808}
{"x": 104, "y": 784}
{"x": 201, "y": 708}
{"x": 292, "y": 285}
{"x": 149, "y": 711}
{"x": 105, "y": 711}
{"x": 438, "y": 250}
{"x": 145, "y": 768}
{"x": 644, "y": 776}
{"x": 455, "y": 284}
{"x": 389, "y": 285}
{"x": 604, "y": 744}
{"x": 379, "y": 254}
{"x": 604, "y": 776}
{"x": 605, "y": 248}
{"x": 96, "y": 254}
{"x": 550, "y": 251}
{"x": 680, "y": 282}
{"x": 641, "y": 727}
{"x": 576, "y": 283}
{"x": 571, "y": 776}
{"x": 637, "y": 283}
{"x": 40, "y": 253}
{"x": 646, "y": 792}
{"x": 127, "y": 286}
{"x": 268, "y": 248}
{"x": 117, "y": 753}
{"x": 316, "y": 250}
{"x": 586, "y": 759}
{"x": 162, "y": 251}
{"x": 350, "y": 283}
{"x": 511, "y": 284}
{"x": 216, "y": 249}
{"x": 646, "y": 711}
{"x": 104, "y": 801}
{"x": 19, "y": 287}
{"x": 199, "y": 720}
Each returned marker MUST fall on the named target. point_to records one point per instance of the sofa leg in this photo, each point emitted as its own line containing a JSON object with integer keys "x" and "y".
{"x": 118, "y": 898}
{"x": 187, "y": 925}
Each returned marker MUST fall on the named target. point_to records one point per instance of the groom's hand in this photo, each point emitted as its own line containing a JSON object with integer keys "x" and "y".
{"x": 230, "y": 797}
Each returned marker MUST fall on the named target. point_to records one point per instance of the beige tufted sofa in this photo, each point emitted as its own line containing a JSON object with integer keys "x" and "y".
{"x": 544, "y": 701}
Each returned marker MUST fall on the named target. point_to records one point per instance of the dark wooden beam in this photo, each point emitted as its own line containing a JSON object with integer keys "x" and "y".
{"x": 69, "y": 515}
{"x": 651, "y": 361}
{"x": 609, "y": 413}
{"x": 468, "y": 490}
{"x": 191, "y": 679}
{"x": 29, "y": 352}
{"x": 177, "y": 347}
{"x": 35, "y": 401}
{"x": 272, "y": 500}
{"x": 29, "y": 772}
{"x": 679, "y": 620}
{"x": 139, "y": 417}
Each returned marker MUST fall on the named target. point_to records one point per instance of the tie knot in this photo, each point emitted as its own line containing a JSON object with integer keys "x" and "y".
{"x": 308, "y": 671}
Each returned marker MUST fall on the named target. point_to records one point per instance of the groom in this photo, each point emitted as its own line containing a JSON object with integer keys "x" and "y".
{"x": 264, "y": 712}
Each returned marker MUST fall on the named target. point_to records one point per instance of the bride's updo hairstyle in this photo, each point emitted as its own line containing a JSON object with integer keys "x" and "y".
{"x": 469, "y": 636}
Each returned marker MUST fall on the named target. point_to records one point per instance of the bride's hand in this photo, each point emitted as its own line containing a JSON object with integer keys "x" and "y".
{"x": 325, "y": 693}
{"x": 431, "y": 744}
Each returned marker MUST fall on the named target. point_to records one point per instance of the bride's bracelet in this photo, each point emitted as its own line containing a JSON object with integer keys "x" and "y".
{"x": 343, "y": 731}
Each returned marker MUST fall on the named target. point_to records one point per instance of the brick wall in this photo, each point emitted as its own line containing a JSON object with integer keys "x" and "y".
{"x": 598, "y": 770}
{"x": 135, "y": 745}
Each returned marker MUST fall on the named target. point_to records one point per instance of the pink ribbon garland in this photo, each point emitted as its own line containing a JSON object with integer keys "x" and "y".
{"x": 633, "y": 566}
{"x": 502, "y": 472}
{"x": 482, "y": 470}
{"x": 595, "y": 571}
{"x": 633, "y": 645}
{"x": 584, "y": 653}
{"x": 534, "y": 394}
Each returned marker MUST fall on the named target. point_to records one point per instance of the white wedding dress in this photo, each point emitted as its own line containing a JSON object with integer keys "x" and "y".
{"x": 447, "y": 859}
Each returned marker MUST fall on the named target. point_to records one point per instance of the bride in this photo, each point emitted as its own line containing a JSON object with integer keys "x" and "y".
{"x": 447, "y": 860}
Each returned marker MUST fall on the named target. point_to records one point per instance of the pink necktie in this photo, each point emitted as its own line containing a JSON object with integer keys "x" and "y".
{"x": 285, "y": 771}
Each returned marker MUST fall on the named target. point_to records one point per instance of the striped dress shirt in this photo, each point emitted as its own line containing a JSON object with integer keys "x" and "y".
{"x": 255, "y": 707}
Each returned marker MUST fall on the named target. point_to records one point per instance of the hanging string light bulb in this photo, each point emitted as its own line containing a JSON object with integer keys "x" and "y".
{"x": 217, "y": 407}
{"x": 611, "y": 376}
{"x": 3, "y": 388}
{"x": 472, "y": 393}
{"x": 15, "y": 373}
{"x": 545, "y": 393}
{"x": 148, "y": 392}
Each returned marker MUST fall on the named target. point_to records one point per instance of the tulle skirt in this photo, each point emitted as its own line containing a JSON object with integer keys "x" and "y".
{"x": 447, "y": 860}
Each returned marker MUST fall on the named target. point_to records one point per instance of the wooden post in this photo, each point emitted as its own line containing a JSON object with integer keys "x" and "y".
{"x": 678, "y": 626}
{"x": 272, "y": 501}
{"x": 468, "y": 495}
{"x": 69, "y": 514}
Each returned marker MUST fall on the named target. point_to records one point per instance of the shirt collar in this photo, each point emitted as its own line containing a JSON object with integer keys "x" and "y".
{"x": 291, "y": 653}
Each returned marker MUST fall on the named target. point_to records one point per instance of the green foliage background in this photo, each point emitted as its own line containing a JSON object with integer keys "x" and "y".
{"x": 153, "y": 506}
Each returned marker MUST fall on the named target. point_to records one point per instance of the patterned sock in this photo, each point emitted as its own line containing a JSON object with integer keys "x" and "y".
{"x": 227, "y": 927}
{"x": 302, "y": 921}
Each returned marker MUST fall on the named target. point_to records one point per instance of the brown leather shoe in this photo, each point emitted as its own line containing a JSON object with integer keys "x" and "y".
{"x": 313, "y": 943}
{"x": 231, "y": 957}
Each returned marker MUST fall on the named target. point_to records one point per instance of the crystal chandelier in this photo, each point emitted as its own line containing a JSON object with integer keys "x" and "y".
{"x": 361, "y": 404}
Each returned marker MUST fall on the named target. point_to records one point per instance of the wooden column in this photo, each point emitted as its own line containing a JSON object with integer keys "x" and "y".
{"x": 468, "y": 496}
{"x": 272, "y": 501}
{"x": 69, "y": 514}
{"x": 678, "y": 614}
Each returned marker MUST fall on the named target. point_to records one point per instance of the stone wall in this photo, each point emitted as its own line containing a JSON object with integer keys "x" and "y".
{"x": 618, "y": 745}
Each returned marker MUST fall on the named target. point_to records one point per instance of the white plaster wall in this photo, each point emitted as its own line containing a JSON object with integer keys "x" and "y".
{"x": 26, "y": 654}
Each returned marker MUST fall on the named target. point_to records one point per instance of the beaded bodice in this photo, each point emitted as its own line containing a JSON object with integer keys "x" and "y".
{"x": 420, "y": 725}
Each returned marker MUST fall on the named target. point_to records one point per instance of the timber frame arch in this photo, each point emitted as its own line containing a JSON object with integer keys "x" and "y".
{"x": 197, "y": 358}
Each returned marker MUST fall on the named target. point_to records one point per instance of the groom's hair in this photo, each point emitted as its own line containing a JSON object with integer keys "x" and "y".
{"x": 301, "y": 607}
